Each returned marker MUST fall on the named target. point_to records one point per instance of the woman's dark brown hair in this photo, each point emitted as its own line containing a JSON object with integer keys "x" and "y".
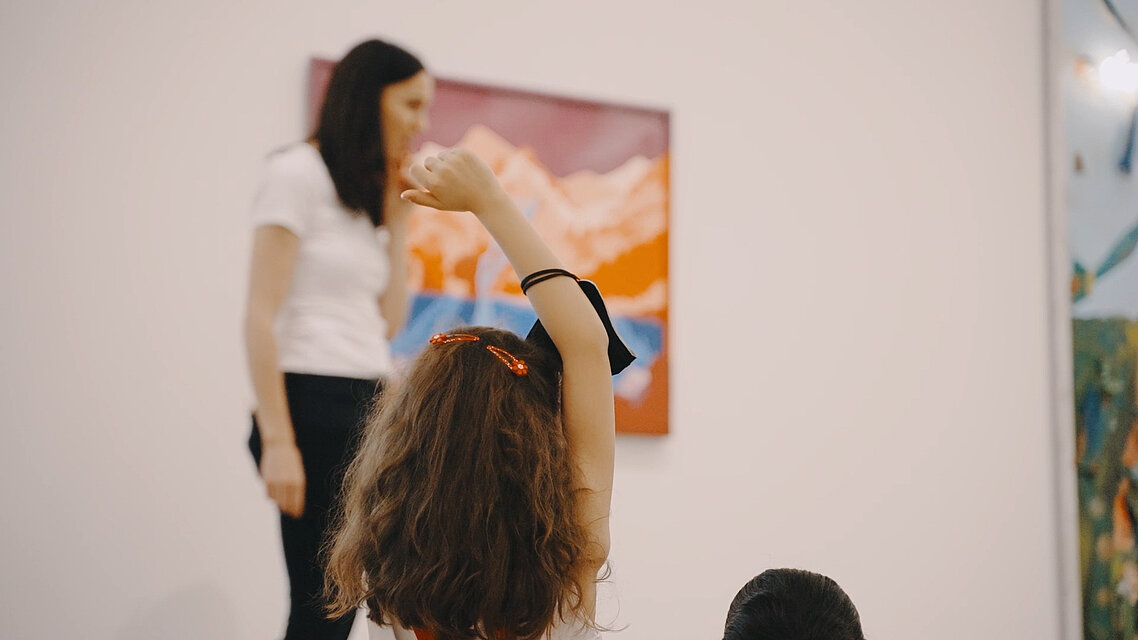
{"x": 458, "y": 511}
{"x": 349, "y": 132}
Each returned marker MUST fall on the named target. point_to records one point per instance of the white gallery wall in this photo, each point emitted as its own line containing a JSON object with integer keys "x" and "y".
{"x": 859, "y": 301}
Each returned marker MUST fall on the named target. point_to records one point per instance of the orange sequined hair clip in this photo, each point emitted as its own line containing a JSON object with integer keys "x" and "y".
{"x": 516, "y": 366}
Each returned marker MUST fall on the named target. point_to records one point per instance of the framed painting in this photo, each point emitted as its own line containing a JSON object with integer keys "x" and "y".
{"x": 1096, "y": 194}
{"x": 593, "y": 177}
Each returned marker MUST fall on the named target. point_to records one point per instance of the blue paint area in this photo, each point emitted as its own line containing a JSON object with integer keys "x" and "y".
{"x": 431, "y": 314}
{"x": 1127, "y": 163}
{"x": 1120, "y": 252}
{"x": 1091, "y": 409}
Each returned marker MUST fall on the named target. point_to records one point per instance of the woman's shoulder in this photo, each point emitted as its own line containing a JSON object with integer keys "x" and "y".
{"x": 298, "y": 169}
{"x": 296, "y": 158}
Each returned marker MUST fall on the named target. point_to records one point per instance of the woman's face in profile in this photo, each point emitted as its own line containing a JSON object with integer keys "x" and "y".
{"x": 403, "y": 108}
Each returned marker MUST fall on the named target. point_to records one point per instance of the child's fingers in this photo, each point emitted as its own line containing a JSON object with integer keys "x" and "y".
{"x": 409, "y": 180}
{"x": 422, "y": 198}
{"x": 421, "y": 176}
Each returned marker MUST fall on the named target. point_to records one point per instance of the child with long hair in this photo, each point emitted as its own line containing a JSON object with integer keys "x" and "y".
{"x": 478, "y": 504}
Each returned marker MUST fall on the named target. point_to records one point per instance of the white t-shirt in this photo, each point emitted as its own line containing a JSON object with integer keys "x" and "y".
{"x": 330, "y": 323}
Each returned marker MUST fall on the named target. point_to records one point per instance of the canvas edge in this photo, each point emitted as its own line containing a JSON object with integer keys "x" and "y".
{"x": 1060, "y": 380}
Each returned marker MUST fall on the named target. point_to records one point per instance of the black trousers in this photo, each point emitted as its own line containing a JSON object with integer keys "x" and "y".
{"x": 328, "y": 416}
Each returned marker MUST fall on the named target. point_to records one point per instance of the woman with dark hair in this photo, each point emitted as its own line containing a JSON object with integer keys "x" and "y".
{"x": 792, "y": 604}
{"x": 478, "y": 504}
{"x": 327, "y": 291}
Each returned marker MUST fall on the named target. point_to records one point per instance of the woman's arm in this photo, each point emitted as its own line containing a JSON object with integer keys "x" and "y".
{"x": 457, "y": 180}
{"x": 274, "y": 256}
{"x": 394, "y": 303}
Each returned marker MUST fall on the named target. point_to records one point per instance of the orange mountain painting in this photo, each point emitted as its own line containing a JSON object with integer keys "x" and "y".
{"x": 593, "y": 179}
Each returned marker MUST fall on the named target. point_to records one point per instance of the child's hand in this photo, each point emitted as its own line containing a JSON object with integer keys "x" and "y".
{"x": 454, "y": 180}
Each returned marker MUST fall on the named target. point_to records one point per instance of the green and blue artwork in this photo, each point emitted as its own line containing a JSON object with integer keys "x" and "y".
{"x": 1102, "y": 233}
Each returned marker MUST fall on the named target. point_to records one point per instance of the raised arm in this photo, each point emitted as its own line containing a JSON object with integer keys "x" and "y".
{"x": 457, "y": 180}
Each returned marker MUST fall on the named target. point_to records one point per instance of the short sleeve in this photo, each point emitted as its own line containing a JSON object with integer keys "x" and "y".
{"x": 284, "y": 195}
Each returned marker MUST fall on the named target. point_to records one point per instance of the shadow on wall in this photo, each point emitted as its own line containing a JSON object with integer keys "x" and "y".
{"x": 195, "y": 611}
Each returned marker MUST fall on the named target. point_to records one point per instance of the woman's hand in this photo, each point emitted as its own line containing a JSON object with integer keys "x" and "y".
{"x": 454, "y": 180}
{"x": 283, "y": 472}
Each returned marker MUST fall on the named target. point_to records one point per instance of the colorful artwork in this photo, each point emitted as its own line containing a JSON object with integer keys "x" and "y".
{"x": 1102, "y": 214}
{"x": 593, "y": 178}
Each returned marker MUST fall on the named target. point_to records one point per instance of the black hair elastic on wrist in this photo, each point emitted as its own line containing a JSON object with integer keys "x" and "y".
{"x": 542, "y": 276}
{"x": 620, "y": 356}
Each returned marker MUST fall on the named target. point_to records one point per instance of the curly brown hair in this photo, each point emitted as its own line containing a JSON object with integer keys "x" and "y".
{"x": 458, "y": 511}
